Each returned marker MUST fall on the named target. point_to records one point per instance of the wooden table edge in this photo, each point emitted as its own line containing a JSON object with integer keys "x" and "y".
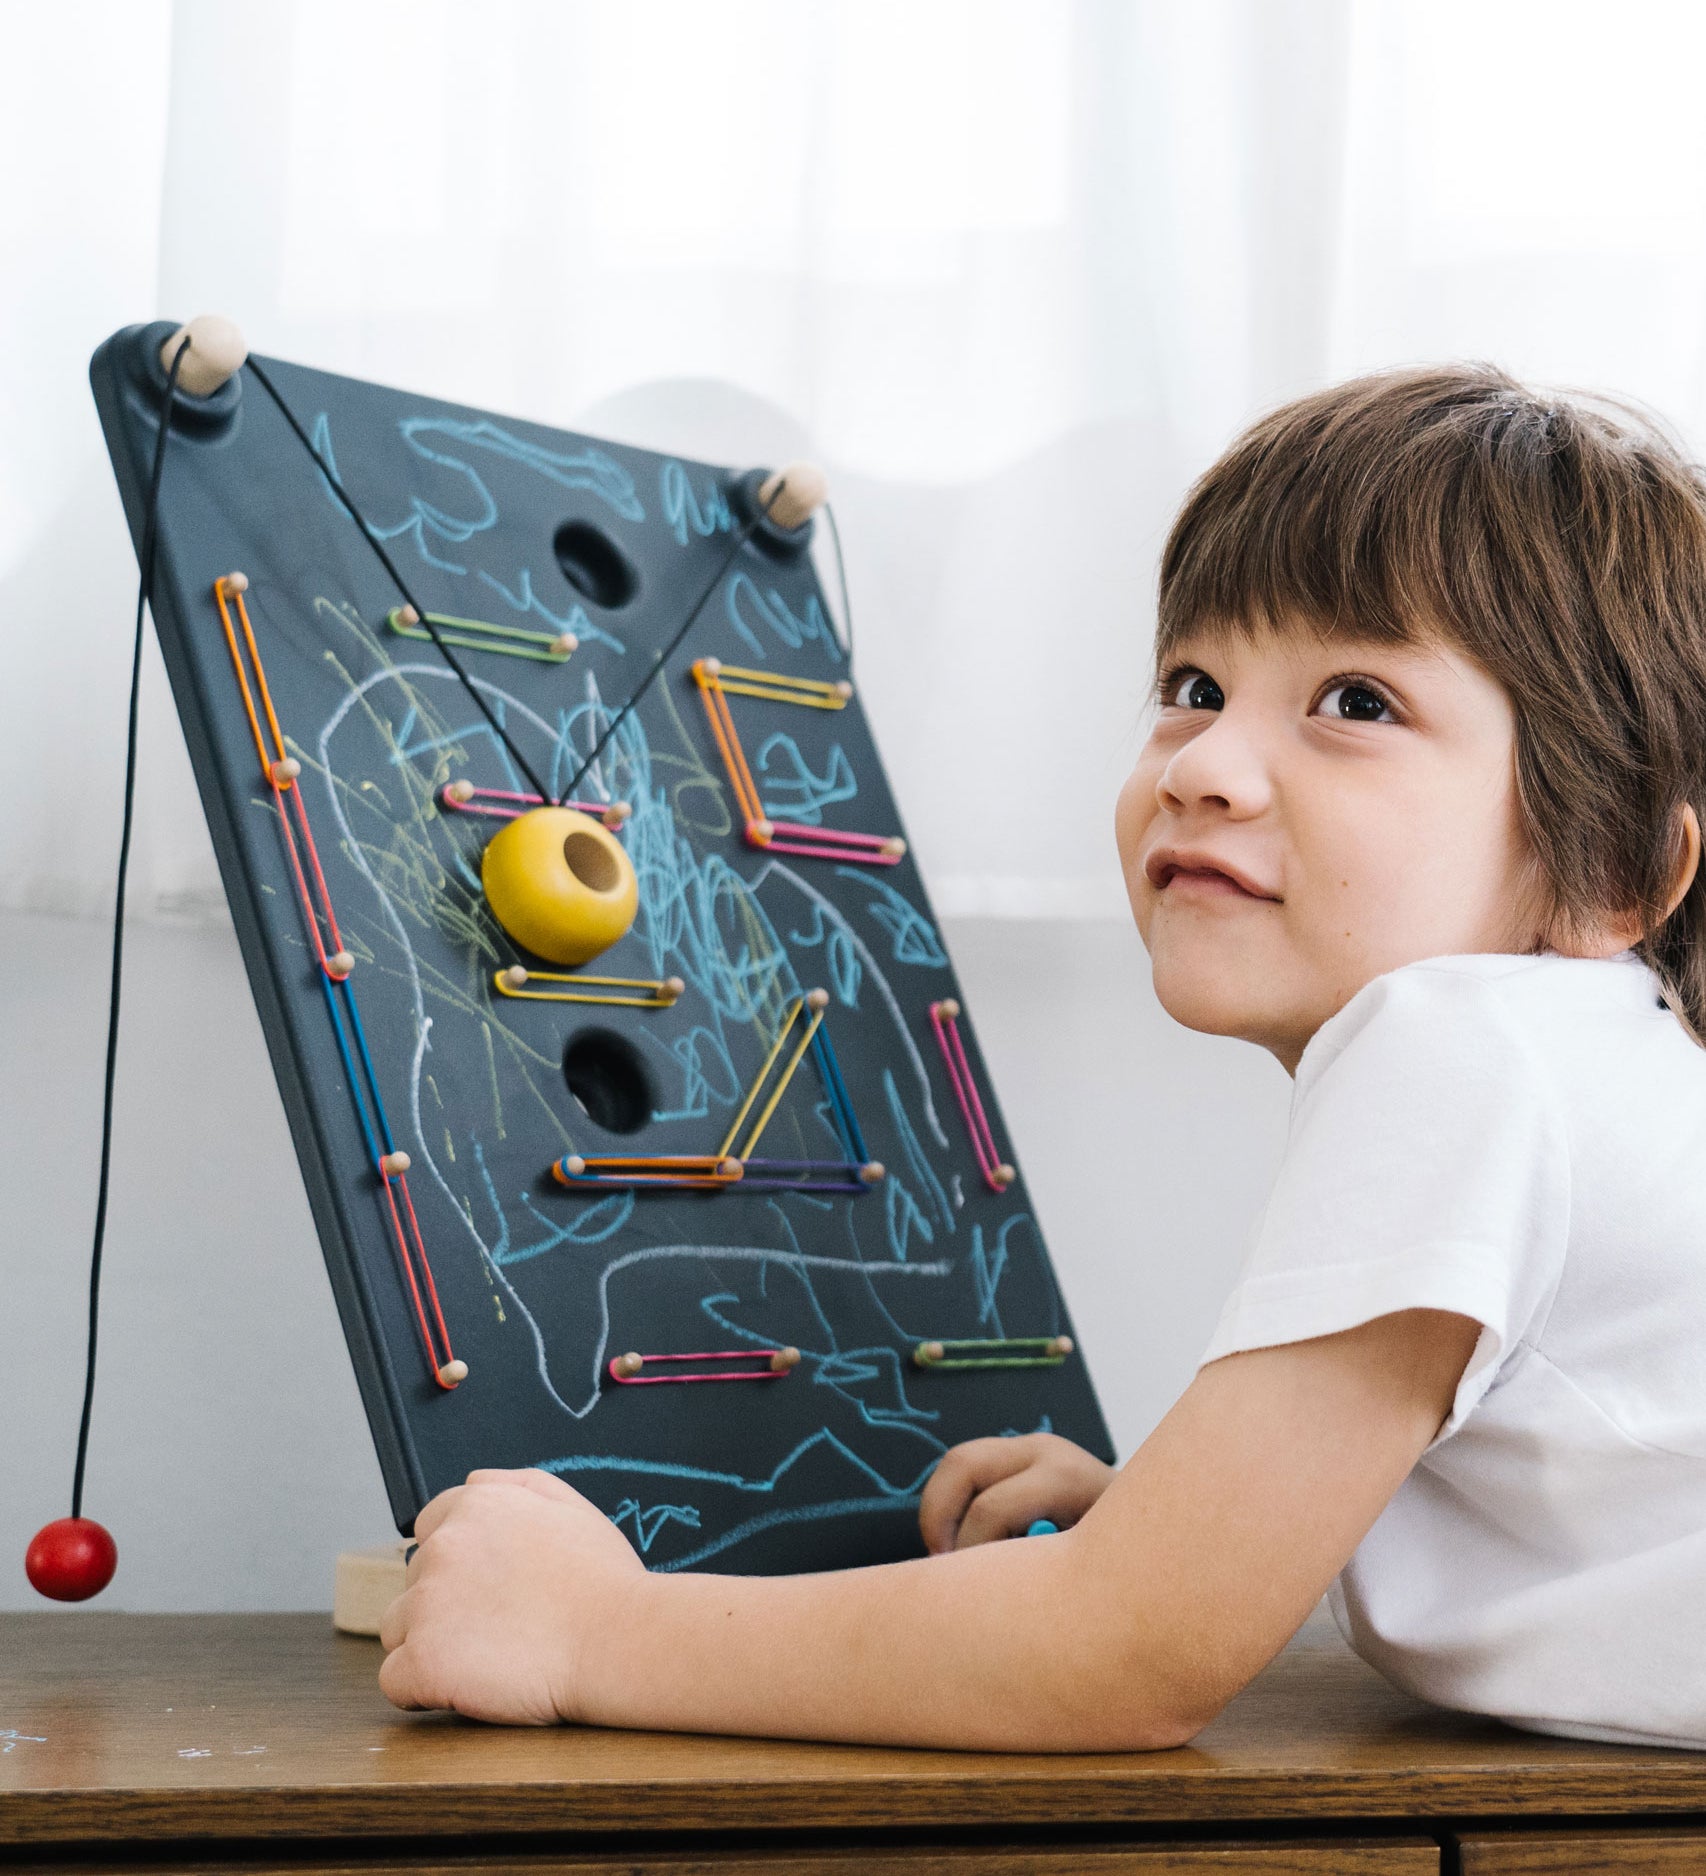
{"x": 1071, "y": 1801}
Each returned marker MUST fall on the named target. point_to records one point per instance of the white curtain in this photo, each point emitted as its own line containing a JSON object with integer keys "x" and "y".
{"x": 1013, "y": 269}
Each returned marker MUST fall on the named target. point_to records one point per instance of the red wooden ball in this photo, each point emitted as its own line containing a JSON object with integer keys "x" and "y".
{"x": 71, "y": 1559}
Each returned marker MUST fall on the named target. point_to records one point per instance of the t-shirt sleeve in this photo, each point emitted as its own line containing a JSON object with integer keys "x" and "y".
{"x": 1425, "y": 1168}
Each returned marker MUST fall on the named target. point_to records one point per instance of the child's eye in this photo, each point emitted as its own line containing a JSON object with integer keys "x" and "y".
{"x": 1192, "y": 690}
{"x": 1355, "y": 702}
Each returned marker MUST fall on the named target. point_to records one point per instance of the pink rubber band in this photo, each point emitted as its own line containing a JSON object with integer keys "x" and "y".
{"x": 722, "y": 1354}
{"x": 965, "y": 1092}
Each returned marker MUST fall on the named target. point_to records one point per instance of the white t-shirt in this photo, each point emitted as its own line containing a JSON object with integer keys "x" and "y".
{"x": 1522, "y": 1140}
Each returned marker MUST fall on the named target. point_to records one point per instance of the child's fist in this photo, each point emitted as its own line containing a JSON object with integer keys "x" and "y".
{"x": 994, "y": 1488}
{"x": 516, "y": 1581}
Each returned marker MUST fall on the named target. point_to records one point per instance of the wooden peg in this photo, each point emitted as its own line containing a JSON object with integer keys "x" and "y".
{"x": 574, "y": 1165}
{"x": 407, "y": 615}
{"x": 843, "y": 688}
{"x": 873, "y": 1172}
{"x": 710, "y": 666}
{"x": 235, "y": 582}
{"x": 784, "y": 1359}
{"x": 391, "y": 1164}
{"x": 760, "y": 829}
{"x": 793, "y": 495}
{"x": 673, "y": 987}
{"x": 614, "y": 816}
{"x": 1003, "y": 1175}
{"x": 948, "y": 1010}
{"x": 459, "y": 791}
{"x": 895, "y": 846}
{"x": 514, "y": 977}
{"x": 732, "y": 1168}
{"x": 817, "y": 999}
{"x": 453, "y": 1373}
{"x": 217, "y": 350}
{"x": 340, "y": 964}
{"x": 927, "y": 1354}
{"x": 628, "y": 1365}
{"x": 564, "y": 643}
{"x": 285, "y": 770}
{"x": 1062, "y": 1345}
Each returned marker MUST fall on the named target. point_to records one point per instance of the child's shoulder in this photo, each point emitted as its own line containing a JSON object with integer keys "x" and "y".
{"x": 1492, "y": 1005}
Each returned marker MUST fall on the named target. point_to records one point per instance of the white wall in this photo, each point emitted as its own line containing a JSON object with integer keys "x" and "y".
{"x": 230, "y": 1456}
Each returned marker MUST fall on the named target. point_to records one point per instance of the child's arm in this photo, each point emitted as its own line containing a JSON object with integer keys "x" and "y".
{"x": 1131, "y": 1630}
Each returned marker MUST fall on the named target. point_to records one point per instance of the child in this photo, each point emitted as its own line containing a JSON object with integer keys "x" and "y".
{"x": 1419, "y": 814}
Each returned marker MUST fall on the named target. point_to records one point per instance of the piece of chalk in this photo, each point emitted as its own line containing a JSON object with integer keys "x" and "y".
{"x": 453, "y": 1373}
{"x": 217, "y": 350}
{"x": 1043, "y": 1527}
{"x": 390, "y": 1164}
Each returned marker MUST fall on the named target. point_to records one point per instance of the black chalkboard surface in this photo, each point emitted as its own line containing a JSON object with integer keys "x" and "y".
{"x": 501, "y": 1246}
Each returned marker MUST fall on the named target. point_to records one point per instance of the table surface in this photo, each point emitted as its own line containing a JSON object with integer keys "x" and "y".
{"x": 134, "y": 1727}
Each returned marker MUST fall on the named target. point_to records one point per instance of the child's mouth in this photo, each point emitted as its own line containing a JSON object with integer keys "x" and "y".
{"x": 1195, "y": 876}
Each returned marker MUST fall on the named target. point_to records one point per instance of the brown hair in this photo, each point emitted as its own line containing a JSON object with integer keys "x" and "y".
{"x": 1561, "y": 543}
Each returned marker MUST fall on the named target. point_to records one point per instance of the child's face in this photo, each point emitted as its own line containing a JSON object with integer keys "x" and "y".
{"x": 1306, "y": 816}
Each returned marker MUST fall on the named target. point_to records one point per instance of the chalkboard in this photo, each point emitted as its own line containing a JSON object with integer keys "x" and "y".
{"x": 543, "y": 1280}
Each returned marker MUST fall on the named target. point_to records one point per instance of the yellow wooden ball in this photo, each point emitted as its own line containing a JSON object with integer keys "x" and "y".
{"x": 560, "y": 884}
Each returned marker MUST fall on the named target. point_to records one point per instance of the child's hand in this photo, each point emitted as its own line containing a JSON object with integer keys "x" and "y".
{"x": 516, "y": 1578}
{"x": 994, "y": 1488}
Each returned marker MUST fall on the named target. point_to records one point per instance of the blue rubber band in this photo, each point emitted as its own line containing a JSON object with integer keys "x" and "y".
{"x": 349, "y": 1071}
{"x": 367, "y": 1064}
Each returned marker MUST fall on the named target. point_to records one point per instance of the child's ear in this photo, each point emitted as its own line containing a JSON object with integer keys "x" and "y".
{"x": 1687, "y": 859}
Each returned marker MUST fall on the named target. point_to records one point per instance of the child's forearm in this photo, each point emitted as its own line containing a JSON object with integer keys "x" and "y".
{"x": 998, "y": 1647}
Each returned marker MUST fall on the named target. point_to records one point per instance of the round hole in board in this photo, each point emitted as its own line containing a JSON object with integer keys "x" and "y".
{"x": 594, "y": 565}
{"x": 608, "y": 1080}
{"x": 592, "y": 862}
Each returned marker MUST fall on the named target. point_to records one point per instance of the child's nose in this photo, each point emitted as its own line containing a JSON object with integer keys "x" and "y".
{"x": 1221, "y": 767}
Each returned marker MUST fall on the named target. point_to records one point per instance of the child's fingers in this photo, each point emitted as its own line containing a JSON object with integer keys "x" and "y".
{"x": 1007, "y": 1509}
{"x": 398, "y": 1682}
{"x": 526, "y": 1478}
{"x": 434, "y": 1512}
{"x": 394, "y": 1623}
{"x": 961, "y": 1473}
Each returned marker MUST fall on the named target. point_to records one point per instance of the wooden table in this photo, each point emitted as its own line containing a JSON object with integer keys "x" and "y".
{"x": 262, "y": 1744}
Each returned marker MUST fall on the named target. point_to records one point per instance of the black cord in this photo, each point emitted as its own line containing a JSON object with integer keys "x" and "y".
{"x": 669, "y": 650}
{"x": 149, "y": 537}
{"x": 841, "y": 579}
{"x": 455, "y": 663}
{"x": 390, "y": 567}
